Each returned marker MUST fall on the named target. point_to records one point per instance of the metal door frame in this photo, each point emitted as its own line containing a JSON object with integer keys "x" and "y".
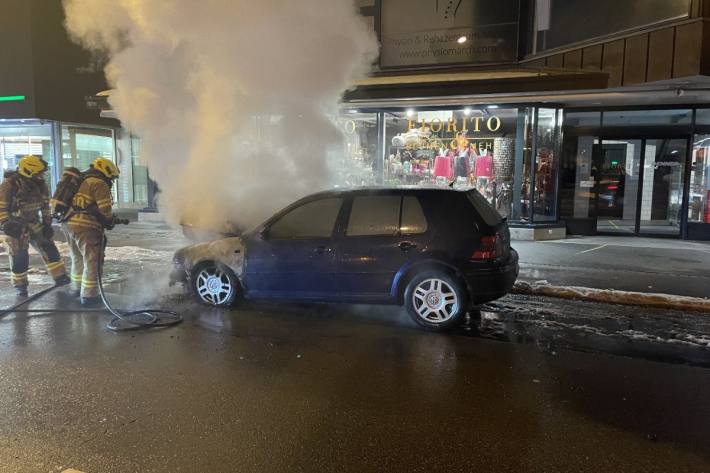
{"x": 683, "y": 224}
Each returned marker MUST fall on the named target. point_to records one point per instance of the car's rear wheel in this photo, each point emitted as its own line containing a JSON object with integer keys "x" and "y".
{"x": 215, "y": 284}
{"x": 435, "y": 299}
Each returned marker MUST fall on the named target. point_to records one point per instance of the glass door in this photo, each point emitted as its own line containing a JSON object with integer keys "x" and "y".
{"x": 616, "y": 173}
{"x": 663, "y": 185}
{"x": 639, "y": 185}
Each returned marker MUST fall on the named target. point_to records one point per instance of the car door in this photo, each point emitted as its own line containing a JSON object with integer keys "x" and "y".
{"x": 383, "y": 233}
{"x": 294, "y": 257}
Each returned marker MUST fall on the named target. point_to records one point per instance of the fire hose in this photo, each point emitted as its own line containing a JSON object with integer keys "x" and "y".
{"x": 123, "y": 320}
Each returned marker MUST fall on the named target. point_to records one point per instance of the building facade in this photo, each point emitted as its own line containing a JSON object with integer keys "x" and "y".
{"x": 48, "y": 102}
{"x": 587, "y": 115}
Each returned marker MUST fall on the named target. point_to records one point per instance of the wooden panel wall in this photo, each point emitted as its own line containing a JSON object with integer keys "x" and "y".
{"x": 671, "y": 52}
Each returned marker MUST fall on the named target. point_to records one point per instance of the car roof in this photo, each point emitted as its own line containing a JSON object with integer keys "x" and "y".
{"x": 384, "y": 190}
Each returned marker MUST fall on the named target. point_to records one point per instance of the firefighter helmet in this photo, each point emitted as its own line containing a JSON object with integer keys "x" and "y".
{"x": 31, "y": 166}
{"x": 106, "y": 167}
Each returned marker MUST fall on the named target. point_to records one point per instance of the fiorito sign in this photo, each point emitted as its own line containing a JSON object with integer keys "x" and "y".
{"x": 473, "y": 124}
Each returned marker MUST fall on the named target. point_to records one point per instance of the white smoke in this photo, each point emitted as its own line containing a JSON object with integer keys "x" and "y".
{"x": 231, "y": 98}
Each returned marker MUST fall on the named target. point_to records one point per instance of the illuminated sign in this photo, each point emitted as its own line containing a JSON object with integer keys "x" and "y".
{"x": 12, "y": 98}
{"x": 473, "y": 124}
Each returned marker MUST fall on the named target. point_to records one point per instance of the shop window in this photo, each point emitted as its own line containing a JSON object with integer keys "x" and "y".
{"x": 81, "y": 145}
{"x": 544, "y": 195}
{"x": 466, "y": 147}
{"x": 647, "y": 118}
{"x": 413, "y": 219}
{"x": 699, "y": 197}
{"x": 583, "y": 120}
{"x": 358, "y": 164}
{"x": 140, "y": 174}
{"x": 312, "y": 220}
{"x": 525, "y": 158}
{"x": 374, "y": 215}
{"x": 20, "y": 138}
{"x": 702, "y": 118}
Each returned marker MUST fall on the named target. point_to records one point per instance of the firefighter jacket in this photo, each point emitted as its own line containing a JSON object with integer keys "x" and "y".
{"x": 26, "y": 199}
{"x": 92, "y": 203}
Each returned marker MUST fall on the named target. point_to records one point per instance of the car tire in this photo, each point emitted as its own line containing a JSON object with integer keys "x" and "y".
{"x": 435, "y": 299}
{"x": 215, "y": 284}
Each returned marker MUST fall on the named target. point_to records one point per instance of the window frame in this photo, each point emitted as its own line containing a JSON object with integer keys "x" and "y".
{"x": 398, "y": 233}
{"x": 266, "y": 233}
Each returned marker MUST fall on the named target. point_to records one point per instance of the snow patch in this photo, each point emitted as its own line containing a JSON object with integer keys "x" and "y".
{"x": 612, "y": 296}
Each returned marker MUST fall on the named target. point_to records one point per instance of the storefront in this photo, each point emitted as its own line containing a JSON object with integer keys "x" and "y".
{"x": 593, "y": 171}
{"x": 489, "y": 148}
{"x": 636, "y": 172}
{"x": 71, "y": 145}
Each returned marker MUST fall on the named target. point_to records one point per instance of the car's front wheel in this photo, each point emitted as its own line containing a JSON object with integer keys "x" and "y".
{"x": 215, "y": 284}
{"x": 436, "y": 300}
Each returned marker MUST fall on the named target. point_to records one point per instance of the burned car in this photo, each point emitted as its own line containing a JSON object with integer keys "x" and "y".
{"x": 435, "y": 251}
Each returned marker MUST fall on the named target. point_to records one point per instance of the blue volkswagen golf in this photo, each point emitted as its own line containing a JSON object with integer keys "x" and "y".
{"x": 436, "y": 251}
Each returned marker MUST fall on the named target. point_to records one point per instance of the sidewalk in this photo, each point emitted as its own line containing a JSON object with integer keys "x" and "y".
{"x": 645, "y": 265}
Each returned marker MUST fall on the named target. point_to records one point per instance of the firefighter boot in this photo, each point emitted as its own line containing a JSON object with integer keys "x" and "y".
{"x": 91, "y": 302}
{"x": 62, "y": 280}
{"x": 21, "y": 291}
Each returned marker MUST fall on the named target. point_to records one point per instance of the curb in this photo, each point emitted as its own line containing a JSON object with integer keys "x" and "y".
{"x": 611, "y": 296}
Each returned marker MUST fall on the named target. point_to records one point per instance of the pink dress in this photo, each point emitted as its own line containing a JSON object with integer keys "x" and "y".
{"x": 443, "y": 168}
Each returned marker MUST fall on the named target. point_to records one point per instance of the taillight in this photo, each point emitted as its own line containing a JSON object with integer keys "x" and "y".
{"x": 491, "y": 248}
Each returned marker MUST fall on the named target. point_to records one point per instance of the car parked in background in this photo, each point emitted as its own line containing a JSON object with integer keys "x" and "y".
{"x": 436, "y": 251}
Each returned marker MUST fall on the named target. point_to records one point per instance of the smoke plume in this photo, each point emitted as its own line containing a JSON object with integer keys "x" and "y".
{"x": 231, "y": 98}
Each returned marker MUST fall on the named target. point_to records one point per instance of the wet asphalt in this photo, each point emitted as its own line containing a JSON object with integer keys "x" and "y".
{"x": 527, "y": 384}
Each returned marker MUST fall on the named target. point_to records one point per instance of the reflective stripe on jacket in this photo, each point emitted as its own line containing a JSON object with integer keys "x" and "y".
{"x": 24, "y": 198}
{"x": 94, "y": 196}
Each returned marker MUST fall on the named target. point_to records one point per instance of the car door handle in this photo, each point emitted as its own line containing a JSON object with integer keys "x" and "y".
{"x": 407, "y": 245}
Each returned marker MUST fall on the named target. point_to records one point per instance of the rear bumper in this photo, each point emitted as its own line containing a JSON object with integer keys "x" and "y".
{"x": 487, "y": 283}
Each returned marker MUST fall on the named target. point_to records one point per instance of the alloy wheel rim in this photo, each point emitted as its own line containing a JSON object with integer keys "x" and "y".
{"x": 435, "y": 301}
{"x": 213, "y": 286}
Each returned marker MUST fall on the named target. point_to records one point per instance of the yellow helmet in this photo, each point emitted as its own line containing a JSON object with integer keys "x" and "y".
{"x": 30, "y": 166}
{"x": 106, "y": 167}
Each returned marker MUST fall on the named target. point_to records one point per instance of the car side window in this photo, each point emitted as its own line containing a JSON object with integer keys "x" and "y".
{"x": 312, "y": 220}
{"x": 376, "y": 215}
{"x": 413, "y": 219}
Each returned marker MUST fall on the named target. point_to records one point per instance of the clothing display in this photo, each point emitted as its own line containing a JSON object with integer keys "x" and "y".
{"x": 484, "y": 166}
{"x": 442, "y": 167}
{"x": 461, "y": 166}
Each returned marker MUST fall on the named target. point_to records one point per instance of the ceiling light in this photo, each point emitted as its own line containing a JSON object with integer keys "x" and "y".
{"x": 462, "y": 40}
{"x": 493, "y": 106}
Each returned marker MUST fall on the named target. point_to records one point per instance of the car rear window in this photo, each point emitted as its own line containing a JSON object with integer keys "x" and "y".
{"x": 484, "y": 209}
{"x": 413, "y": 219}
{"x": 374, "y": 215}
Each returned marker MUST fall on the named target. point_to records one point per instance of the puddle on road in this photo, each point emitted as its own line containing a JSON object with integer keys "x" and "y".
{"x": 666, "y": 336}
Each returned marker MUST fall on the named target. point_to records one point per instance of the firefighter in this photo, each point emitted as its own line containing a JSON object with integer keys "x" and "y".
{"x": 90, "y": 215}
{"x": 26, "y": 219}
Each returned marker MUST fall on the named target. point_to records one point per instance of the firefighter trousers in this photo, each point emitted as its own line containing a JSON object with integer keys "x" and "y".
{"x": 20, "y": 257}
{"x": 86, "y": 246}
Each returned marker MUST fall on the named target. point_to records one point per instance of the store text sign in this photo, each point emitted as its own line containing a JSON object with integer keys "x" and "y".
{"x": 422, "y": 32}
{"x": 473, "y": 124}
